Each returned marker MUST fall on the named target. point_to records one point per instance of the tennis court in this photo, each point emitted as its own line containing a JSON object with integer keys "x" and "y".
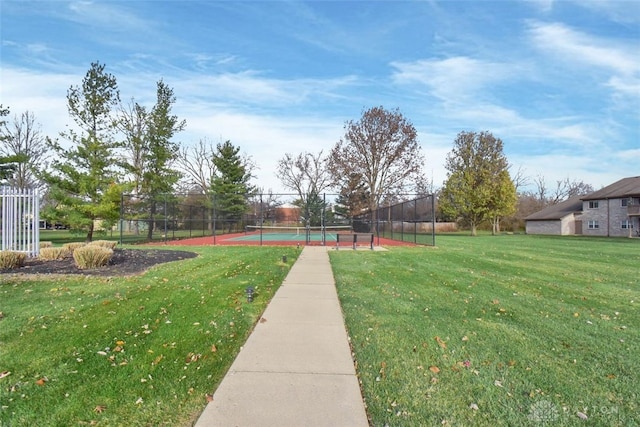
{"x": 293, "y": 234}
{"x": 301, "y": 236}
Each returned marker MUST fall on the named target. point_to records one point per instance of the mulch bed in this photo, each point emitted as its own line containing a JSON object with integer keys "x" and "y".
{"x": 125, "y": 262}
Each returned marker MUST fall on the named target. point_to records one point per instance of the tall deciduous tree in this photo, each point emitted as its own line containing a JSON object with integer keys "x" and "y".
{"x": 382, "y": 148}
{"x": 230, "y": 185}
{"x": 82, "y": 178}
{"x": 478, "y": 186}
{"x": 23, "y": 141}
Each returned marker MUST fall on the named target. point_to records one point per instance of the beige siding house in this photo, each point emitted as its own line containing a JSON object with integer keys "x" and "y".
{"x": 558, "y": 219}
{"x": 611, "y": 211}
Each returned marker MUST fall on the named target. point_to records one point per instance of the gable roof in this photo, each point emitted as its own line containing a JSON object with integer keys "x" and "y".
{"x": 626, "y": 187}
{"x": 558, "y": 211}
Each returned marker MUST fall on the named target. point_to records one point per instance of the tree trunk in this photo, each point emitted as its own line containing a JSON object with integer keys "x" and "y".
{"x": 90, "y": 232}
{"x": 151, "y": 220}
{"x": 474, "y": 231}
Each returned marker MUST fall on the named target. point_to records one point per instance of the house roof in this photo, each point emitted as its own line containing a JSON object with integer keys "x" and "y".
{"x": 558, "y": 211}
{"x": 626, "y": 187}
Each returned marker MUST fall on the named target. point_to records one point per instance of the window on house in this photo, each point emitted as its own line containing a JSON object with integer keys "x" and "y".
{"x": 593, "y": 204}
{"x": 627, "y": 224}
{"x": 624, "y": 202}
{"x": 593, "y": 225}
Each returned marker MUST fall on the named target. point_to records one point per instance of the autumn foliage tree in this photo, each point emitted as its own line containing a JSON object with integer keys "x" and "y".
{"x": 382, "y": 149}
{"x": 478, "y": 186}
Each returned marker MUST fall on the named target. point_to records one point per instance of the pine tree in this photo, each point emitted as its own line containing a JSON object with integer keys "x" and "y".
{"x": 230, "y": 185}
{"x": 83, "y": 180}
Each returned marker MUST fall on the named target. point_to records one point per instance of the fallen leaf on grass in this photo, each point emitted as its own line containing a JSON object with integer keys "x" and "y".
{"x": 582, "y": 416}
{"x": 139, "y": 401}
{"x": 99, "y": 409}
{"x": 4, "y": 374}
{"x": 192, "y": 357}
{"x": 473, "y": 406}
{"x": 209, "y": 397}
{"x": 498, "y": 383}
{"x": 440, "y": 342}
{"x": 434, "y": 369}
{"x": 213, "y": 348}
{"x": 41, "y": 381}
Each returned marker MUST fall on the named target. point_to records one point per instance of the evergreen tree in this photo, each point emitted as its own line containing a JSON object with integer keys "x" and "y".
{"x": 230, "y": 185}
{"x": 82, "y": 179}
{"x": 354, "y": 197}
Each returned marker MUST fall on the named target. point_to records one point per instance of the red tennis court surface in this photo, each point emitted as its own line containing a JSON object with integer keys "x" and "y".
{"x": 228, "y": 240}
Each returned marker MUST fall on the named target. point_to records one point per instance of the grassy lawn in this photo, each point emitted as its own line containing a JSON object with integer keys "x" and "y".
{"x": 141, "y": 351}
{"x": 504, "y": 330}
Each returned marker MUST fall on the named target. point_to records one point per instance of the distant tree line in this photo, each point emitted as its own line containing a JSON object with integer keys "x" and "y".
{"x": 115, "y": 148}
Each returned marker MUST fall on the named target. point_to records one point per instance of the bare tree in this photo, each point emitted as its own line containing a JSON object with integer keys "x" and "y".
{"x": 519, "y": 179}
{"x": 382, "y": 148}
{"x": 305, "y": 173}
{"x": 23, "y": 140}
{"x": 564, "y": 189}
{"x": 197, "y": 164}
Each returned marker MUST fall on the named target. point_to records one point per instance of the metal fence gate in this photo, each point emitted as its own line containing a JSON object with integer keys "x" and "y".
{"x": 20, "y": 220}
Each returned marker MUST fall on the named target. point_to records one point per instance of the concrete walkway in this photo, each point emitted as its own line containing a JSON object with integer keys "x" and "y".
{"x": 296, "y": 368}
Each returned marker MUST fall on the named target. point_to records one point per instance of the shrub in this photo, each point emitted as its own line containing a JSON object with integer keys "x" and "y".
{"x": 46, "y": 244}
{"x": 109, "y": 244}
{"x": 91, "y": 256}
{"x": 11, "y": 259}
{"x": 71, "y": 247}
{"x": 50, "y": 254}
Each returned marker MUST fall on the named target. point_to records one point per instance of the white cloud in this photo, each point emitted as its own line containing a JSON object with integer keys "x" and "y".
{"x": 110, "y": 16}
{"x": 574, "y": 46}
{"x": 453, "y": 79}
{"x": 577, "y": 50}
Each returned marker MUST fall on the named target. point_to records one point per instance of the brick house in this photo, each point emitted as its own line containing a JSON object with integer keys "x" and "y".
{"x": 611, "y": 211}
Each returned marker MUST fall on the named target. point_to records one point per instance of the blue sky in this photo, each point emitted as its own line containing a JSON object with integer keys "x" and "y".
{"x": 557, "y": 81}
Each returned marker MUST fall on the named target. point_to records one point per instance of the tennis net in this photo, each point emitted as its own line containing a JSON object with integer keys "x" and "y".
{"x": 297, "y": 230}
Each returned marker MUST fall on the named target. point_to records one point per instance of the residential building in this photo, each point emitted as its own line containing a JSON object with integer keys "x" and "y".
{"x": 560, "y": 219}
{"x": 611, "y": 211}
